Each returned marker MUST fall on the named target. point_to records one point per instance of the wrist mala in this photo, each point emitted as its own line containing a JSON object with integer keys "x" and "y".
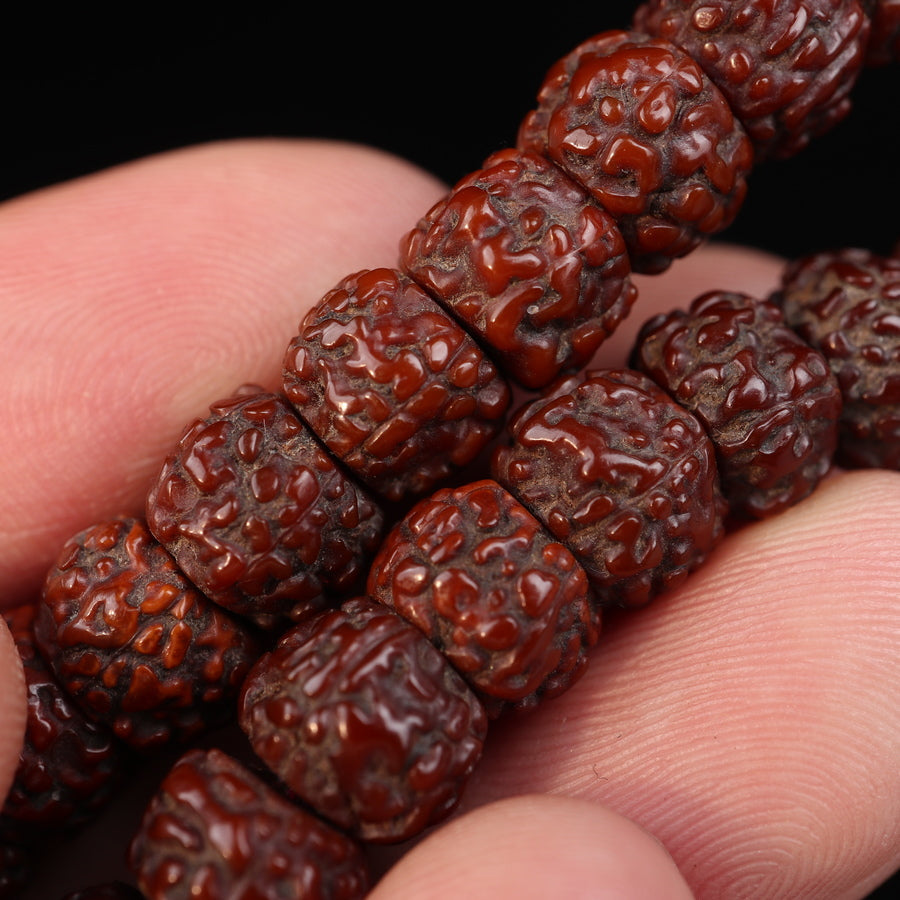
{"x": 320, "y": 558}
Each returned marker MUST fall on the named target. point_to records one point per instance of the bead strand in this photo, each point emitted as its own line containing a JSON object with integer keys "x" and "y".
{"x": 652, "y": 239}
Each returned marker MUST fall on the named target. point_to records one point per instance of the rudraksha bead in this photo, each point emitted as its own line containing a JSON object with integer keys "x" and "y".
{"x": 359, "y": 715}
{"x": 392, "y": 384}
{"x": 622, "y": 475}
{"x": 637, "y": 122}
{"x": 766, "y": 398}
{"x": 259, "y": 516}
{"x": 214, "y": 829}
{"x": 847, "y": 304}
{"x": 507, "y": 604}
{"x": 528, "y": 262}
{"x": 133, "y": 643}
{"x": 69, "y": 765}
{"x": 786, "y": 67}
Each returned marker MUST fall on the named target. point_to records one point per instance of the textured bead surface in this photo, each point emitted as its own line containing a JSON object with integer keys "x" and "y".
{"x": 216, "y": 830}
{"x": 364, "y": 719}
{"x": 392, "y": 384}
{"x": 528, "y": 262}
{"x": 766, "y": 398}
{"x": 636, "y": 121}
{"x": 68, "y": 766}
{"x": 506, "y": 604}
{"x": 133, "y": 642}
{"x": 259, "y": 516}
{"x": 847, "y": 305}
{"x": 622, "y": 475}
{"x": 786, "y": 66}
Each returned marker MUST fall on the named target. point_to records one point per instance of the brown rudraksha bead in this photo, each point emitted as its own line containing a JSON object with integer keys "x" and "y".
{"x": 528, "y": 262}
{"x": 622, "y": 475}
{"x": 786, "y": 67}
{"x": 637, "y": 122}
{"x": 392, "y": 384}
{"x": 259, "y": 516}
{"x": 847, "y": 305}
{"x": 767, "y": 399}
{"x": 69, "y": 765}
{"x": 363, "y": 718}
{"x": 133, "y": 642}
{"x": 884, "y": 40}
{"x": 507, "y": 604}
{"x": 214, "y": 829}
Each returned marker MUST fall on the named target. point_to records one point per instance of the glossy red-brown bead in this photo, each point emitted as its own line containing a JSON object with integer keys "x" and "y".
{"x": 528, "y": 262}
{"x": 622, "y": 475}
{"x": 846, "y": 303}
{"x": 259, "y": 516}
{"x": 216, "y": 830}
{"x": 766, "y": 398}
{"x": 393, "y": 385}
{"x": 507, "y": 604}
{"x": 69, "y": 765}
{"x": 637, "y": 122}
{"x": 786, "y": 67}
{"x": 133, "y": 642}
{"x": 362, "y": 717}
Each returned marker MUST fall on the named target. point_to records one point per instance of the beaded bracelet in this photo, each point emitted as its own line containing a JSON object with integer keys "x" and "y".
{"x": 275, "y": 505}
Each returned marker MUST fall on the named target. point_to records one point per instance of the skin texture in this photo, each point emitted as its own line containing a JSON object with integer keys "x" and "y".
{"x": 738, "y": 738}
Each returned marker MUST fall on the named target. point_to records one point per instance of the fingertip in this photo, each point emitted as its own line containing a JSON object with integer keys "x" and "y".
{"x": 536, "y": 846}
{"x": 12, "y": 707}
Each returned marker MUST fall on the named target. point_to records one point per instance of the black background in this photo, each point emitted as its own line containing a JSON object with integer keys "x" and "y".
{"x": 443, "y": 87}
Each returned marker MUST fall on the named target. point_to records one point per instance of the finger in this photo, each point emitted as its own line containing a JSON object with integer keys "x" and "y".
{"x": 12, "y": 708}
{"x": 534, "y": 847}
{"x": 750, "y": 720}
{"x": 135, "y": 298}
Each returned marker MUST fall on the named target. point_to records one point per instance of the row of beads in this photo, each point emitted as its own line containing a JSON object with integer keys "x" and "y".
{"x": 538, "y": 270}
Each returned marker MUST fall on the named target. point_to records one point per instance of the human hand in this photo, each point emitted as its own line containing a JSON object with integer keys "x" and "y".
{"x": 739, "y": 737}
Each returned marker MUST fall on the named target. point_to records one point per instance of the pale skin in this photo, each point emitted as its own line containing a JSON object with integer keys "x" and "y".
{"x": 740, "y": 737}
